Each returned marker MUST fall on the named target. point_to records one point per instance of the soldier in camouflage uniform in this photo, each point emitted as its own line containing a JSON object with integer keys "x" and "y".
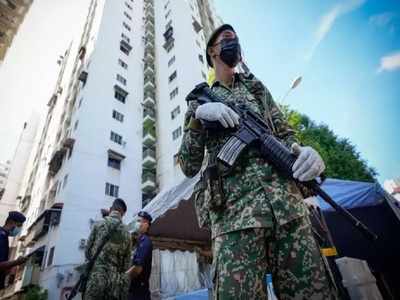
{"x": 107, "y": 279}
{"x": 258, "y": 219}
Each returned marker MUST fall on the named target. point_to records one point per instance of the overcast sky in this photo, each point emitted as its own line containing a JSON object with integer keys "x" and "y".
{"x": 30, "y": 66}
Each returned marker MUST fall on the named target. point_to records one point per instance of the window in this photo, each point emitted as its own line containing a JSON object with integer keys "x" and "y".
{"x": 80, "y": 102}
{"x": 204, "y": 75}
{"x": 172, "y": 77}
{"x": 166, "y": 5}
{"x": 198, "y": 44}
{"x": 51, "y": 256}
{"x": 76, "y": 124}
{"x": 173, "y": 93}
{"x": 171, "y": 61}
{"x": 127, "y": 15}
{"x": 168, "y": 25}
{"x": 169, "y": 46}
{"x": 201, "y": 58}
{"x": 118, "y": 116}
{"x": 167, "y": 14}
{"x": 122, "y": 64}
{"x": 65, "y": 181}
{"x": 120, "y": 94}
{"x": 127, "y": 27}
{"x": 121, "y": 79}
{"x": 177, "y": 133}
{"x": 128, "y": 6}
{"x": 125, "y": 38}
{"x": 114, "y": 163}
{"x": 175, "y": 112}
{"x": 112, "y": 189}
{"x": 125, "y": 47}
{"x": 116, "y": 138}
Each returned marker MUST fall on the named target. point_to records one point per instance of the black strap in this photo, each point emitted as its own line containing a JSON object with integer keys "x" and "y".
{"x": 84, "y": 277}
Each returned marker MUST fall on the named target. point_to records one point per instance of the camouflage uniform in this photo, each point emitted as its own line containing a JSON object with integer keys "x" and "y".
{"x": 108, "y": 279}
{"x": 259, "y": 222}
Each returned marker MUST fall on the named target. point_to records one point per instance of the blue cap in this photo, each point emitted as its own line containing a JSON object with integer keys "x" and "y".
{"x": 16, "y": 216}
{"x": 145, "y": 215}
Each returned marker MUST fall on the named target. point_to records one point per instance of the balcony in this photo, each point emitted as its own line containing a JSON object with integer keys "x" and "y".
{"x": 148, "y": 70}
{"x": 148, "y": 182}
{"x": 149, "y": 99}
{"x": 149, "y": 138}
{"x": 68, "y": 143}
{"x": 56, "y": 161}
{"x": 148, "y": 20}
{"x": 83, "y": 77}
{"x": 149, "y": 56}
{"x": 149, "y": 115}
{"x": 24, "y": 203}
{"x": 149, "y": 26}
{"x": 40, "y": 227}
{"x": 149, "y": 158}
{"x": 149, "y": 9}
{"x": 51, "y": 195}
{"x": 149, "y": 85}
{"x": 149, "y": 45}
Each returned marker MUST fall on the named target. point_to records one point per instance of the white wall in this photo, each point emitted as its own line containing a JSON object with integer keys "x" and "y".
{"x": 18, "y": 167}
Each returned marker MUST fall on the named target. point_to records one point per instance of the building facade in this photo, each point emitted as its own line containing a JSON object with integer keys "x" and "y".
{"x": 4, "y": 169}
{"x": 17, "y": 168}
{"x": 113, "y": 126}
{"x": 392, "y": 186}
{"x": 12, "y": 13}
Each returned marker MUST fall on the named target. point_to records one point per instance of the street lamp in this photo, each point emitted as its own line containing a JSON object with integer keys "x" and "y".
{"x": 295, "y": 83}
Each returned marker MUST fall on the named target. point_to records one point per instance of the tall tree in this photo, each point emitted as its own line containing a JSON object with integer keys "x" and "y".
{"x": 342, "y": 159}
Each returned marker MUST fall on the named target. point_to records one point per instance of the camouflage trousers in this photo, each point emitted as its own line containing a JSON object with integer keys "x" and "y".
{"x": 289, "y": 252}
{"x": 107, "y": 286}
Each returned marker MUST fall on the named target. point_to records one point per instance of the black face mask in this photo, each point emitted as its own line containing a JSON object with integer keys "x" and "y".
{"x": 230, "y": 52}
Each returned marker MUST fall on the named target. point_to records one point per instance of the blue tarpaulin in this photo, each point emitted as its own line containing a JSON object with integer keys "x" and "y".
{"x": 352, "y": 194}
{"x": 380, "y": 212}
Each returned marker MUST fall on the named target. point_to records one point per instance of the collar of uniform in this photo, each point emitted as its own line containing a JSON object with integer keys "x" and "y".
{"x": 236, "y": 79}
{"x": 142, "y": 237}
{"x": 3, "y": 231}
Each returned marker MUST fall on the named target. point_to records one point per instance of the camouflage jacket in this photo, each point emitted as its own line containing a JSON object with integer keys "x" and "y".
{"x": 113, "y": 261}
{"x": 254, "y": 194}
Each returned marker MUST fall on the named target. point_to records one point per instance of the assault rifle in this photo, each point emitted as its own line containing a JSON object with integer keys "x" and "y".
{"x": 254, "y": 131}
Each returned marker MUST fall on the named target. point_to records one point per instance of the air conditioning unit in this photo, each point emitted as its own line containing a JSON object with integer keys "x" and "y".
{"x": 82, "y": 243}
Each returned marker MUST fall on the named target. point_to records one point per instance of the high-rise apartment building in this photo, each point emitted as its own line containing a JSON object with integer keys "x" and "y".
{"x": 12, "y": 13}
{"x": 113, "y": 126}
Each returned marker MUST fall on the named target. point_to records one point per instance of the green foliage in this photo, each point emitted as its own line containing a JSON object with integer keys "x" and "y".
{"x": 36, "y": 293}
{"x": 341, "y": 158}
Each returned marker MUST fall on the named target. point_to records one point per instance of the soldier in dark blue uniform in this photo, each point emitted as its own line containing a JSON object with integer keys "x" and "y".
{"x": 11, "y": 228}
{"x": 142, "y": 258}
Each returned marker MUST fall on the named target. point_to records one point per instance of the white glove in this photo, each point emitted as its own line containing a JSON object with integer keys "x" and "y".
{"x": 308, "y": 164}
{"x": 217, "y": 111}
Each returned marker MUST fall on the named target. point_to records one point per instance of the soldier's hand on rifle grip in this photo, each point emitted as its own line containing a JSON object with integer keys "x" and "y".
{"x": 217, "y": 111}
{"x": 308, "y": 164}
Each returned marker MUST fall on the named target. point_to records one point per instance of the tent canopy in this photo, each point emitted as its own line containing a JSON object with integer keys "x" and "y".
{"x": 351, "y": 194}
{"x": 174, "y": 216}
